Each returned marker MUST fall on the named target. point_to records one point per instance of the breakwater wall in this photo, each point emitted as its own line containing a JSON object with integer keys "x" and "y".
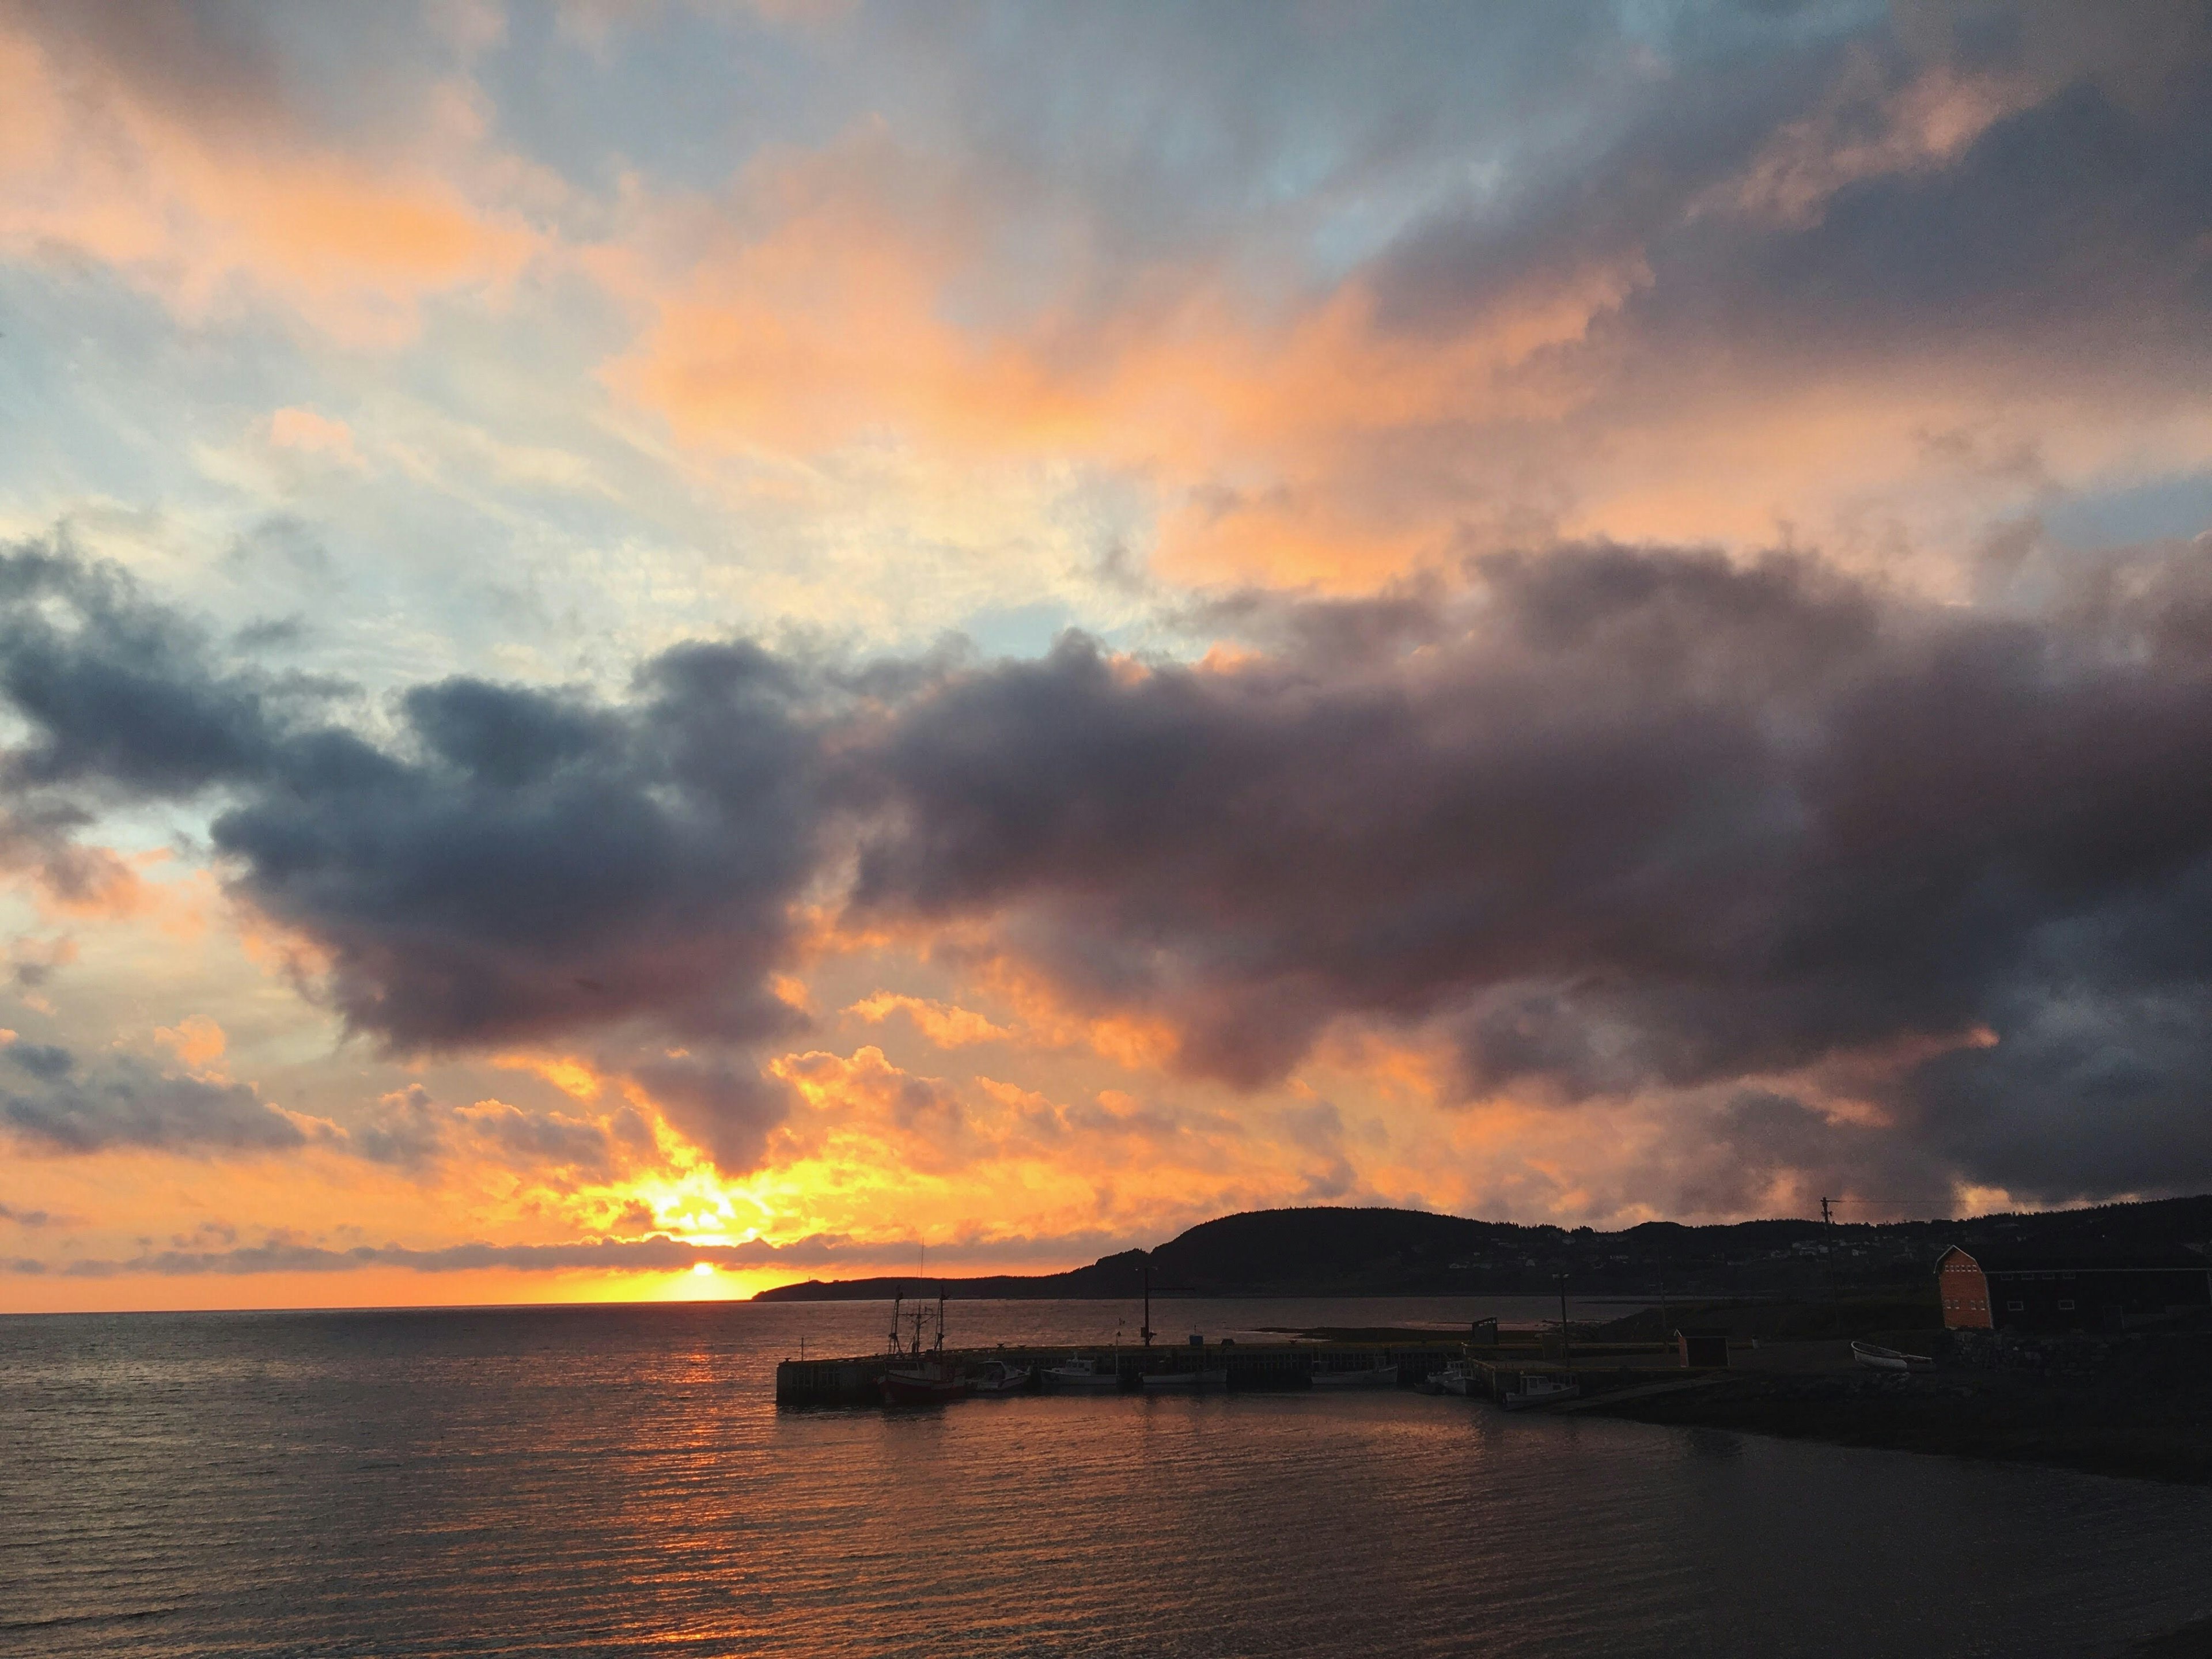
{"x": 1250, "y": 1367}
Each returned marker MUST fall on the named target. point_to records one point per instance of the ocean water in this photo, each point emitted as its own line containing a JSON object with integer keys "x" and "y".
{"x": 618, "y": 1481}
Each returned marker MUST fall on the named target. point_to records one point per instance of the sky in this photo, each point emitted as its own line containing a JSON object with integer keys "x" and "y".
{"x": 647, "y": 650}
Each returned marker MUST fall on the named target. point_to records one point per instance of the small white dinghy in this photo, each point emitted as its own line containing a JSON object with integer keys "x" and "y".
{"x": 1368, "y": 1377}
{"x": 1876, "y": 1357}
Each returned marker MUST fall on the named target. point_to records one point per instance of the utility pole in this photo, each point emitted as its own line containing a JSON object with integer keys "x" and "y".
{"x": 1828, "y": 1263}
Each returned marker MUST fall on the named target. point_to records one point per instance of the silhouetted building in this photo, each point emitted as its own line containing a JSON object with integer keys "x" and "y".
{"x": 2086, "y": 1288}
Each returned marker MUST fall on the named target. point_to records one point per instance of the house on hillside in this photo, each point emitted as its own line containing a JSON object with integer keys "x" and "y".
{"x": 2084, "y": 1288}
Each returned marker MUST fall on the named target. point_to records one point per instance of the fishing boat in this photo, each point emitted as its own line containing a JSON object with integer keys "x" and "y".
{"x": 999, "y": 1377}
{"x": 931, "y": 1382}
{"x": 1081, "y": 1374}
{"x": 917, "y": 1376}
{"x": 1539, "y": 1391}
{"x": 1197, "y": 1382}
{"x": 1453, "y": 1379}
{"x": 1876, "y": 1357}
{"x": 1367, "y": 1377}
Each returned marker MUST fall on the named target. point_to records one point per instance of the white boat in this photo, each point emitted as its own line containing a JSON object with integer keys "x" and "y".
{"x": 1080, "y": 1374}
{"x": 1539, "y": 1390}
{"x": 1186, "y": 1382}
{"x": 1455, "y": 1379}
{"x": 1368, "y": 1377}
{"x": 1876, "y": 1357}
{"x": 999, "y": 1377}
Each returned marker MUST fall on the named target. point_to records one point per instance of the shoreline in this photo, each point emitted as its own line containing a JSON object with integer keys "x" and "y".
{"x": 1949, "y": 1413}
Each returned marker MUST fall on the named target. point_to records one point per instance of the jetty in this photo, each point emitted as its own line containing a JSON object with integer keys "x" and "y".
{"x": 1498, "y": 1367}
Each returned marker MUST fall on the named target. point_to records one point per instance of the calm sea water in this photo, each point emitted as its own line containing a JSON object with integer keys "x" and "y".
{"x": 617, "y": 1480}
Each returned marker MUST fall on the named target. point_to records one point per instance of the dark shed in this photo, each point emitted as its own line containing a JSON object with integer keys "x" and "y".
{"x": 2086, "y": 1287}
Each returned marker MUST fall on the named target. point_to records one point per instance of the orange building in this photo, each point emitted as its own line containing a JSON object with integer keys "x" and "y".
{"x": 1964, "y": 1290}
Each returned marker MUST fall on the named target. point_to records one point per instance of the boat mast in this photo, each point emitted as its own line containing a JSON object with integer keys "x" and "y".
{"x": 1147, "y": 1332}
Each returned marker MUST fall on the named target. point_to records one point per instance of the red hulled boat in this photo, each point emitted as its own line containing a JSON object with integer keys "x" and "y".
{"x": 917, "y": 1376}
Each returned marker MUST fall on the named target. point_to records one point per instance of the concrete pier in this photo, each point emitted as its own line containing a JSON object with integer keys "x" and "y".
{"x": 1251, "y": 1367}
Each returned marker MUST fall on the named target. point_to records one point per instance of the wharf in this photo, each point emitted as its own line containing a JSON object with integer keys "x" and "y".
{"x": 1250, "y": 1367}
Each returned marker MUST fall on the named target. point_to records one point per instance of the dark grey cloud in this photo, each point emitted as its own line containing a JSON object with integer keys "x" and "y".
{"x": 520, "y": 861}
{"x": 406, "y": 1128}
{"x": 2079, "y": 218}
{"x": 123, "y": 696}
{"x": 411, "y": 1131}
{"x": 54, "y": 1103}
{"x": 536, "y": 864}
{"x": 1786, "y": 216}
{"x": 514, "y": 863}
{"x": 1626, "y": 820}
{"x": 725, "y": 1109}
{"x": 1617, "y": 821}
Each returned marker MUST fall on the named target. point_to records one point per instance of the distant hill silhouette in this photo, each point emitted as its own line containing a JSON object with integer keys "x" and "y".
{"x": 1347, "y": 1252}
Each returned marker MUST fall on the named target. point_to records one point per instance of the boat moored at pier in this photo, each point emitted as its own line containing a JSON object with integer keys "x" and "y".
{"x": 1081, "y": 1374}
{"x": 1230, "y": 1366}
{"x": 1539, "y": 1391}
{"x": 997, "y": 1377}
{"x": 916, "y": 1376}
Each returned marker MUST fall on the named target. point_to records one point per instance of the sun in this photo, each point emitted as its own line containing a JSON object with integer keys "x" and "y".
{"x": 702, "y": 1269}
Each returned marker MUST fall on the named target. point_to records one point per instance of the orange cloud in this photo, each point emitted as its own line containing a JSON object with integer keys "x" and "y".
{"x": 196, "y": 1041}
{"x": 196, "y": 209}
{"x": 311, "y": 434}
{"x": 944, "y": 1025}
{"x": 572, "y": 1077}
{"x": 841, "y": 301}
{"x": 1132, "y": 1039}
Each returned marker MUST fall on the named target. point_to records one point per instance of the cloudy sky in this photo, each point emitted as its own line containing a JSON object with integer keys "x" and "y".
{"x": 649, "y": 649}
